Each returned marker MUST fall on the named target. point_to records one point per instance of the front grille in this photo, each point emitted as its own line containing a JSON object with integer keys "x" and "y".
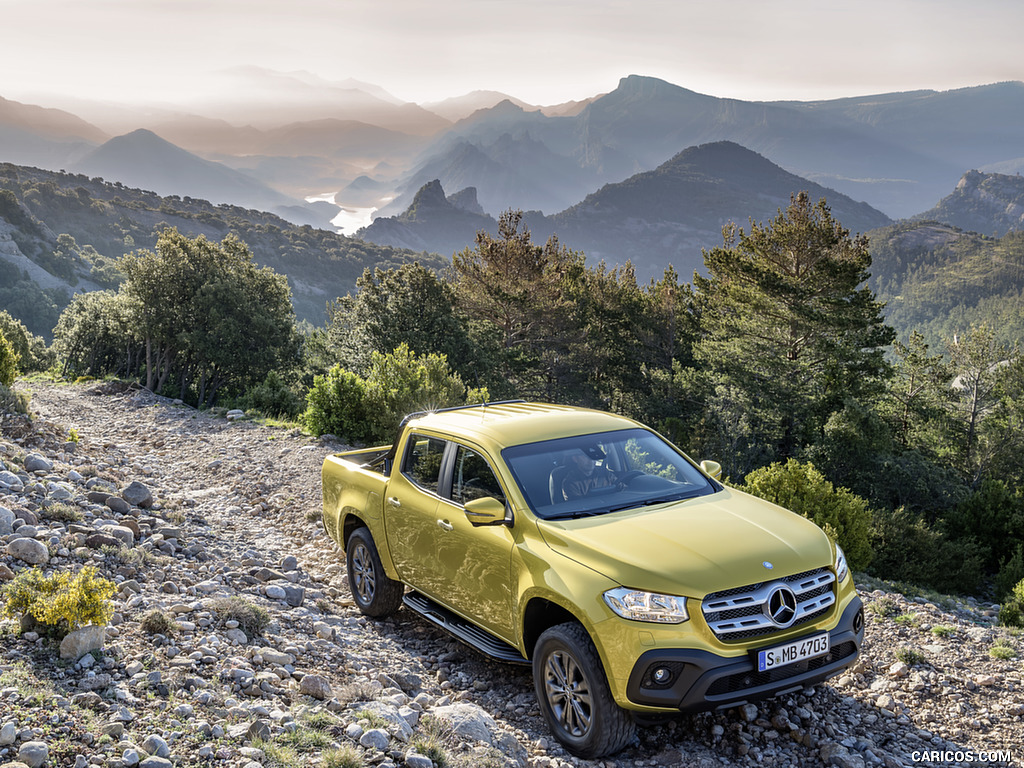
{"x": 740, "y": 613}
{"x": 743, "y": 681}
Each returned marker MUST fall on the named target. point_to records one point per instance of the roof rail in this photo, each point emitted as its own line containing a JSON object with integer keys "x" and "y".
{"x": 390, "y": 455}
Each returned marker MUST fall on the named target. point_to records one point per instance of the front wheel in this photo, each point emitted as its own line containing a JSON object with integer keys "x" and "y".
{"x": 374, "y": 593}
{"x": 574, "y": 696}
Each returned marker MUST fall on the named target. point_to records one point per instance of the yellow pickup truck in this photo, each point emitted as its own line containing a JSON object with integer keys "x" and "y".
{"x": 587, "y": 545}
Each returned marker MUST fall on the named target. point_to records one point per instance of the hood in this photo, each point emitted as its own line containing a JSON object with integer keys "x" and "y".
{"x": 693, "y": 547}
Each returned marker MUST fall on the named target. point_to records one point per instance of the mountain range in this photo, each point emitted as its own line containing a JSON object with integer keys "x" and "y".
{"x": 653, "y": 219}
{"x": 303, "y": 137}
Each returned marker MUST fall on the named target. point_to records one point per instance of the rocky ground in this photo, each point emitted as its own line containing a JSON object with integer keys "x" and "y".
{"x": 235, "y": 643}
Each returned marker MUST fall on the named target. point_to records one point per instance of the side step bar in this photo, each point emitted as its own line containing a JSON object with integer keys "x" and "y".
{"x": 470, "y": 634}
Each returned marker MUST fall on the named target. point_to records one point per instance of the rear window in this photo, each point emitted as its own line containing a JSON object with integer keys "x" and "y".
{"x": 422, "y": 461}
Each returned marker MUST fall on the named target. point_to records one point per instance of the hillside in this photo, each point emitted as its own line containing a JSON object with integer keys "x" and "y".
{"x": 263, "y": 647}
{"x": 107, "y": 220}
{"x": 940, "y": 280}
{"x": 654, "y": 219}
{"x": 989, "y": 203}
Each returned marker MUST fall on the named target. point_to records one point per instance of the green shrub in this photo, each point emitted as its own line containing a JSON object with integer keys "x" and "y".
{"x": 62, "y": 602}
{"x": 907, "y": 549}
{"x": 396, "y": 384}
{"x": 804, "y": 490}
{"x": 272, "y": 398}
{"x": 345, "y": 756}
{"x": 1011, "y": 612}
{"x": 910, "y": 656}
{"x": 336, "y": 405}
{"x": 12, "y": 401}
{"x": 1002, "y": 649}
{"x": 1010, "y": 573}
{"x": 8, "y": 361}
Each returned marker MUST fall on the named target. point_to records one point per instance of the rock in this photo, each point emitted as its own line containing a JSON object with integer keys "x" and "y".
{"x": 138, "y": 495}
{"x": 34, "y": 754}
{"x": 122, "y": 533}
{"x": 80, "y": 642}
{"x": 375, "y": 738}
{"x": 155, "y": 745}
{"x": 273, "y": 656}
{"x": 294, "y": 596}
{"x": 6, "y": 521}
{"x": 468, "y": 721}
{"x": 8, "y": 733}
{"x": 6, "y": 574}
{"x": 36, "y": 463}
{"x": 260, "y": 729}
{"x": 416, "y": 760}
{"x": 156, "y": 762}
{"x": 118, "y": 505}
{"x": 29, "y": 551}
{"x": 290, "y": 563}
{"x": 100, "y": 540}
{"x": 315, "y": 686}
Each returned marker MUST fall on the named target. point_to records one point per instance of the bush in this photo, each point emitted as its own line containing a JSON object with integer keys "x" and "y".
{"x": 336, "y": 405}
{"x": 1011, "y": 612}
{"x": 8, "y": 361}
{"x": 272, "y": 398}
{"x": 13, "y": 402}
{"x": 907, "y": 550}
{"x": 1011, "y": 572}
{"x": 62, "y": 602}
{"x": 801, "y": 488}
{"x": 252, "y": 619}
{"x": 156, "y": 622}
{"x": 396, "y": 384}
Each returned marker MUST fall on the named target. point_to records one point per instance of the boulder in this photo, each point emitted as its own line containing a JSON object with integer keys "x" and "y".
{"x": 138, "y": 495}
{"x": 29, "y": 551}
{"x": 80, "y": 642}
{"x": 36, "y": 463}
{"x": 34, "y": 754}
{"x": 6, "y": 521}
{"x": 315, "y": 686}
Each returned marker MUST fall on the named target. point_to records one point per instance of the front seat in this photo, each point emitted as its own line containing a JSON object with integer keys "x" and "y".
{"x": 555, "y": 480}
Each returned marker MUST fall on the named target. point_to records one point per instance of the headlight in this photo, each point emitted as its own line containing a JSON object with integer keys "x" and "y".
{"x": 841, "y": 567}
{"x": 647, "y": 606}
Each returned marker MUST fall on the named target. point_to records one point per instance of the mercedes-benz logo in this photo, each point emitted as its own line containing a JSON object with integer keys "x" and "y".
{"x": 780, "y": 606}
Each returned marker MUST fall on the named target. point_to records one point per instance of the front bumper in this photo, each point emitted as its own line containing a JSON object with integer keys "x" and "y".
{"x": 701, "y": 680}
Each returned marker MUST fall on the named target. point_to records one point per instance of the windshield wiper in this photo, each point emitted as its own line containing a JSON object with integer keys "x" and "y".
{"x": 578, "y": 514}
{"x": 658, "y": 500}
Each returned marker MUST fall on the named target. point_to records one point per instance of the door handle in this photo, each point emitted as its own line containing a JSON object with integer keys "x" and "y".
{"x": 446, "y": 525}
{"x": 394, "y": 502}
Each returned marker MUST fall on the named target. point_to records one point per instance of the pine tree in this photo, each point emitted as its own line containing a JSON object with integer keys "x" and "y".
{"x": 785, "y": 323}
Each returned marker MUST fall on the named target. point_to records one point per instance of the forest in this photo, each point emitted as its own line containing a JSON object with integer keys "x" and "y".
{"x": 777, "y": 362}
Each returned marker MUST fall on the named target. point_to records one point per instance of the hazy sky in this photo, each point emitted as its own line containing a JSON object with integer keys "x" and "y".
{"x": 542, "y": 51}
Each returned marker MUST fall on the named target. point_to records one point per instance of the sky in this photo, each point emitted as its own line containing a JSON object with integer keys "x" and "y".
{"x": 541, "y": 51}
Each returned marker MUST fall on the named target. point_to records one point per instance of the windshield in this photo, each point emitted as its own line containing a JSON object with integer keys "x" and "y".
{"x": 603, "y": 472}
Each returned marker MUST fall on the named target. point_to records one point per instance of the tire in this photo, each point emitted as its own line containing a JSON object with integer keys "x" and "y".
{"x": 373, "y": 592}
{"x": 573, "y": 693}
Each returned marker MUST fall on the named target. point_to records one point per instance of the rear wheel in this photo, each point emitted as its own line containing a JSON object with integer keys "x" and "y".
{"x": 374, "y": 593}
{"x": 574, "y": 696}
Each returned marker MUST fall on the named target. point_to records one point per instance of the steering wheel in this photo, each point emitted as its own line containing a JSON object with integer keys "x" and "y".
{"x": 628, "y": 477}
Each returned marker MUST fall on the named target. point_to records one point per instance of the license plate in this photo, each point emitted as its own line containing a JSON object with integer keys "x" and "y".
{"x": 790, "y": 653}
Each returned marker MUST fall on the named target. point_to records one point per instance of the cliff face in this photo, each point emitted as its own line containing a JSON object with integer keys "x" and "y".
{"x": 988, "y": 203}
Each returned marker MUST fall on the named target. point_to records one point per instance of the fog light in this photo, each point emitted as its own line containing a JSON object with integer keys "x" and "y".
{"x": 662, "y": 676}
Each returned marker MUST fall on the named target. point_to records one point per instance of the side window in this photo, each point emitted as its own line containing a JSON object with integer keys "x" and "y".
{"x": 422, "y": 461}
{"x": 473, "y": 477}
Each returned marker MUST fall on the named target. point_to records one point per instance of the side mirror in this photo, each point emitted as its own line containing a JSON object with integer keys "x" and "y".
{"x": 486, "y": 510}
{"x": 712, "y": 468}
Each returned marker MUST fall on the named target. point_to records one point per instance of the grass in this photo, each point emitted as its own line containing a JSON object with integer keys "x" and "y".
{"x": 157, "y": 622}
{"x": 942, "y": 631}
{"x": 252, "y": 619}
{"x": 1002, "y": 650}
{"x": 884, "y": 607}
{"x": 433, "y": 741}
{"x": 347, "y": 756}
{"x": 910, "y": 656}
{"x": 906, "y": 619}
{"x": 62, "y": 513}
{"x": 374, "y": 719}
